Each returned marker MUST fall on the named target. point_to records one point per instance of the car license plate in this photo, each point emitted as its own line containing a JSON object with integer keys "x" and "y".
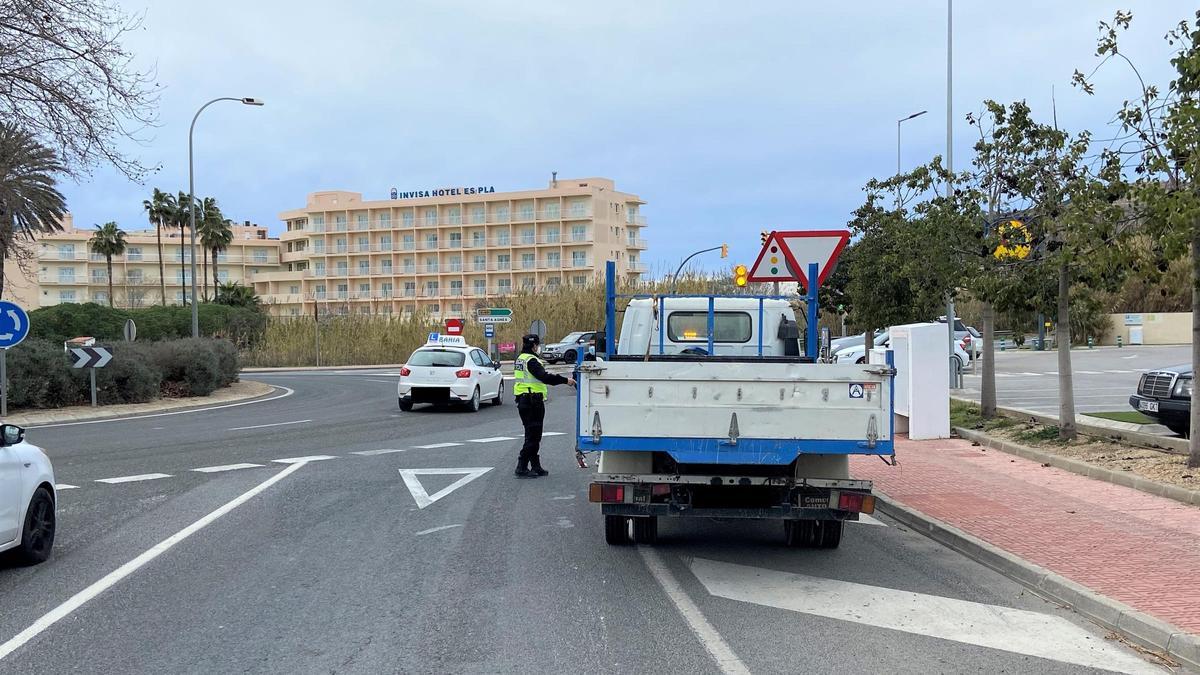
{"x": 1148, "y": 406}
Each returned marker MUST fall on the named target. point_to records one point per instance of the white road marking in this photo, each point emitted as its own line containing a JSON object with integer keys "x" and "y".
{"x": 1120, "y": 372}
{"x": 1089, "y": 372}
{"x": 437, "y": 529}
{"x": 727, "y": 661}
{"x": 436, "y": 445}
{"x": 1131, "y": 356}
{"x": 381, "y": 451}
{"x": 552, "y": 433}
{"x": 492, "y": 439}
{"x": 867, "y": 519}
{"x": 383, "y": 381}
{"x": 286, "y": 392}
{"x": 264, "y": 426}
{"x": 65, "y": 486}
{"x": 226, "y": 467}
{"x": 1012, "y": 630}
{"x": 302, "y": 460}
{"x": 112, "y": 578}
{"x": 422, "y": 497}
{"x": 134, "y": 479}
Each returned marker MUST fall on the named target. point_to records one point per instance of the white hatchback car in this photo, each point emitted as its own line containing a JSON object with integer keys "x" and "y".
{"x": 27, "y": 498}
{"x": 448, "y": 370}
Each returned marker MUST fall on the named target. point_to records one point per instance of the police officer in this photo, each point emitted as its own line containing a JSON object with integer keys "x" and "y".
{"x": 530, "y": 388}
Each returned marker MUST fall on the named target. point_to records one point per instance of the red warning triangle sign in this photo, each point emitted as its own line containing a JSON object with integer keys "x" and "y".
{"x": 786, "y": 255}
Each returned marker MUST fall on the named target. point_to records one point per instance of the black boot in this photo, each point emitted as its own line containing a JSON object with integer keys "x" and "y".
{"x": 537, "y": 467}
{"x": 523, "y": 471}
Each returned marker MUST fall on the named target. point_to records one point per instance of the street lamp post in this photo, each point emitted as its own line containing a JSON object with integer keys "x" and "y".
{"x": 950, "y": 160}
{"x": 902, "y": 119}
{"x": 723, "y": 248}
{"x": 192, "y": 201}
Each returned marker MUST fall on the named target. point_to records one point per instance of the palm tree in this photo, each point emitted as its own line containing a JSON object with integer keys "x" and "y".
{"x": 236, "y": 295}
{"x": 29, "y": 199}
{"x": 160, "y": 210}
{"x": 212, "y": 228}
{"x": 109, "y": 240}
{"x": 181, "y": 215}
{"x": 218, "y": 237}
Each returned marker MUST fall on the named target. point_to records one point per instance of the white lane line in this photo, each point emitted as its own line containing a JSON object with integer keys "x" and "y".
{"x": 867, "y": 519}
{"x": 423, "y": 498}
{"x": 1012, "y": 630}
{"x": 1120, "y": 372}
{"x": 112, "y": 578}
{"x": 226, "y": 467}
{"x": 436, "y": 445}
{"x": 381, "y": 451}
{"x": 492, "y": 439}
{"x": 264, "y": 426}
{"x": 134, "y": 479}
{"x": 286, "y": 392}
{"x": 302, "y": 460}
{"x": 1089, "y": 372}
{"x": 713, "y": 643}
{"x": 437, "y": 529}
{"x": 383, "y": 381}
{"x": 65, "y": 486}
{"x": 553, "y": 433}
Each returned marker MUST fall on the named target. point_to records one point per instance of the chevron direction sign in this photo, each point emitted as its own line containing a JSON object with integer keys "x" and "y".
{"x": 90, "y": 357}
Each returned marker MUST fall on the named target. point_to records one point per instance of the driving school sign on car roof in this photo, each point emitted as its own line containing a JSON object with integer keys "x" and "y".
{"x": 451, "y": 340}
{"x": 786, "y": 255}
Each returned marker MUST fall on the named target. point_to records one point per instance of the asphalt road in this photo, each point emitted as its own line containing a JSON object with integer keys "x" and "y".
{"x": 351, "y": 556}
{"x": 1104, "y": 376}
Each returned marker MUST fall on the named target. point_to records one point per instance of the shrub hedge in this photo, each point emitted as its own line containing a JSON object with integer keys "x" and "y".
{"x": 40, "y": 373}
{"x": 242, "y": 326}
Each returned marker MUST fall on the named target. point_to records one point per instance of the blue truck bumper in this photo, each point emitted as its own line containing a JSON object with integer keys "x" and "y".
{"x": 745, "y": 451}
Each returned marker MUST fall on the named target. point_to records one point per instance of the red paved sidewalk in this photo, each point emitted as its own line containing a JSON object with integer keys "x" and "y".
{"x": 1131, "y": 546}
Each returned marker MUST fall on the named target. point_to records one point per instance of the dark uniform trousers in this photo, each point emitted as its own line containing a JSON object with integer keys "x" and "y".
{"x": 532, "y": 409}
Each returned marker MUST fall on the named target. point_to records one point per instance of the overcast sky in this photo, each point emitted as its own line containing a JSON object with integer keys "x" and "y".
{"x": 727, "y": 118}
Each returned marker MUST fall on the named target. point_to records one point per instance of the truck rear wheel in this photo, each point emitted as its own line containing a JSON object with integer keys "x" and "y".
{"x": 645, "y": 530}
{"x": 616, "y": 530}
{"x": 830, "y": 533}
{"x": 798, "y": 533}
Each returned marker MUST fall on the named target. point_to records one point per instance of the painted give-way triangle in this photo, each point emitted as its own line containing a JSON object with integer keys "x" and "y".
{"x": 422, "y": 497}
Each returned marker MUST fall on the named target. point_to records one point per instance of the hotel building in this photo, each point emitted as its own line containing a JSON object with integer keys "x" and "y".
{"x": 443, "y": 251}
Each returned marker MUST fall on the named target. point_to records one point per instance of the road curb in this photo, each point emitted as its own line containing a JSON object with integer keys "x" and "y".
{"x": 38, "y": 418}
{"x": 1111, "y": 614}
{"x": 1115, "y": 476}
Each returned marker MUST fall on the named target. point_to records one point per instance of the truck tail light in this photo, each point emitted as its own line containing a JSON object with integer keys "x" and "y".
{"x": 605, "y": 493}
{"x": 859, "y": 503}
{"x": 405, "y": 372}
{"x": 463, "y": 374}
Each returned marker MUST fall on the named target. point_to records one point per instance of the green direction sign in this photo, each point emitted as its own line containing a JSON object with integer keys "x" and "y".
{"x": 493, "y": 311}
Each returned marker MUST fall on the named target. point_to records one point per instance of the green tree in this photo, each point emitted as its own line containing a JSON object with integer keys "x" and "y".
{"x": 236, "y": 295}
{"x": 29, "y": 198}
{"x": 1160, "y": 144}
{"x": 108, "y": 240}
{"x": 181, "y": 218}
{"x": 216, "y": 234}
{"x": 160, "y": 210}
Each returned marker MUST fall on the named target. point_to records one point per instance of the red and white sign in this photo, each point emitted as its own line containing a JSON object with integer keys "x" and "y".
{"x": 786, "y": 255}
{"x": 454, "y": 326}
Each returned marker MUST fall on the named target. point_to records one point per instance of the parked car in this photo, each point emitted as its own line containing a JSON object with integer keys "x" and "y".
{"x": 1166, "y": 395}
{"x": 447, "y": 370}
{"x": 854, "y": 353}
{"x": 968, "y": 338}
{"x": 27, "y": 498}
{"x": 567, "y": 349}
{"x": 837, "y": 344}
{"x": 855, "y": 346}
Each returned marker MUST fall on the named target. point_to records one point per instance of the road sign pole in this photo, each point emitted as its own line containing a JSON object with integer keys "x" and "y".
{"x": 4, "y": 382}
{"x": 92, "y": 372}
{"x": 812, "y": 309}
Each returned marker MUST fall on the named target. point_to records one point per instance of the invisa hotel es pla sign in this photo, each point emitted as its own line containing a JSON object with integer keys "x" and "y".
{"x": 444, "y": 192}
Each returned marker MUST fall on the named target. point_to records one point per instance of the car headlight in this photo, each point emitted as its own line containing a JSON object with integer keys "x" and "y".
{"x": 1183, "y": 388}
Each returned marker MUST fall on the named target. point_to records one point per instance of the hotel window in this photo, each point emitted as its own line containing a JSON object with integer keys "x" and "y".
{"x": 99, "y": 276}
{"x": 552, "y": 236}
{"x": 385, "y": 220}
{"x": 578, "y": 258}
{"x": 502, "y": 238}
{"x": 66, "y": 275}
{"x": 431, "y": 241}
{"x": 504, "y": 285}
{"x": 456, "y": 287}
{"x": 133, "y": 253}
{"x": 408, "y": 242}
{"x": 133, "y": 277}
{"x": 477, "y": 239}
{"x": 578, "y": 232}
{"x": 525, "y": 212}
{"x": 410, "y": 288}
{"x": 554, "y": 259}
{"x": 66, "y": 296}
{"x": 409, "y": 267}
{"x": 260, "y": 255}
{"x": 456, "y": 263}
{"x": 480, "y": 263}
{"x": 456, "y": 240}
{"x": 435, "y": 309}
{"x": 480, "y": 287}
{"x": 343, "y": 291}
{"x": 456, "y": 308}
{"x": 407, "y": 218}
{"x": 552, "y": 211}
{"x": 385, "y": 242}
{"x": 527, "y": 261}
{"x": 318, "y": 246}
{"x": 503, "y": 262}
{"x": 431, "y": 288}
{"x": 320, "y": 292}
{"x": 362, "y": 221}
{"x": 183, "y": 276}
{"x": 553, "y": 282}
{"x": 502, "y": 214}
{"x": 364, "y": 244}
{"x": 528, "y": 236}
{"x": 340, "y": 223}
{"x": 578, "y": 210}
{"x": 385, "y": 266}
{"x": 431, "y": 216}
{"x": 364, "y": 267}
{"x": 364, "y": 290}
{"x": 385, "y": 289}
{"x": 527, "y": 283}
{"x": 66, "y": 251}
{"x": 579, "y": 280}
{"x": 319, "y": 268}
{"x": 343, "y": 268}
{"x": 340, "y": 245}
{"x": 293, "y": 290}
{"x": 179, "y": 296}
{"x": 319, "y": 220}
{"x": 455, "y": 216}
{"x": 477, "y": 214}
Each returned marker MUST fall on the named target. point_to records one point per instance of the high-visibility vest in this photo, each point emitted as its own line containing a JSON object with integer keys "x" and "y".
{"x": 525, "y": 382}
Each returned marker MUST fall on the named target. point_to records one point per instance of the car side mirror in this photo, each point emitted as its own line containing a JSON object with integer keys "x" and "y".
{"x": 11, "y": 434}
{"x": 496, "y": 365}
